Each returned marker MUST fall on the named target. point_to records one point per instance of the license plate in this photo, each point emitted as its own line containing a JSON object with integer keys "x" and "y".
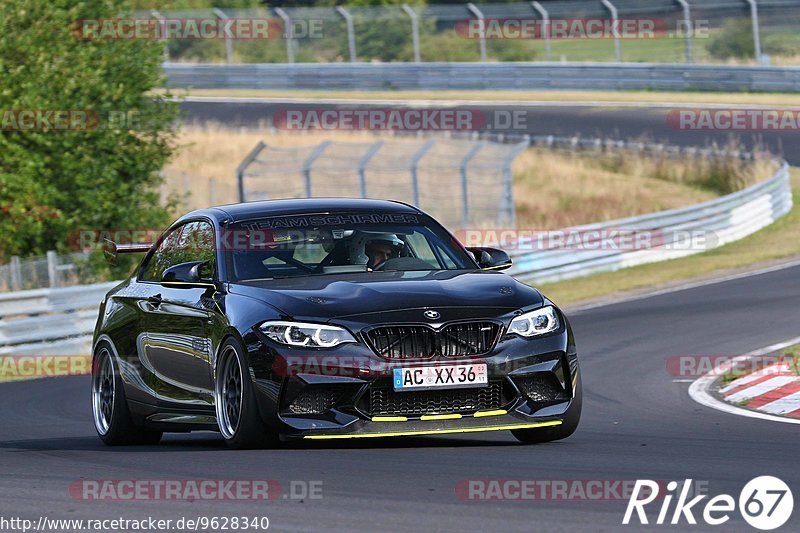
{"x": 440, "y": 377}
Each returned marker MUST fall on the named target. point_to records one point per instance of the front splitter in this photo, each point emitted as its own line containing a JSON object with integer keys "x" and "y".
{"x": 441, "y": 431}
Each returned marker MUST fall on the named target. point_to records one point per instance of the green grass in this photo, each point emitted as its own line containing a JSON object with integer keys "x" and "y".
{"x": 659, "y": 50}
{"x": 790, "y": 354}
{"x": 728, "y": 377}
{"x": 773, "y": 243}
{"x": 793, "y": 355}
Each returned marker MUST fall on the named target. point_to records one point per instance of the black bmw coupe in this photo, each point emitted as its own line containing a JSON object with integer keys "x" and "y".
{"x": 327, "y": 319}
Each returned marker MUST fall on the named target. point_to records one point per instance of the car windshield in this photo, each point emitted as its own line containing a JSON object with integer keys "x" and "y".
{"x": 308, "y": 245}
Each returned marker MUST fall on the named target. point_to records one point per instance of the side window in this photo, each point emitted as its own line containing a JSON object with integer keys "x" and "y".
{"x": 197, "y": 244}
{"x": 422, "y": 248}
{"x": 159, "y": 261}
{"x": 448, "y": 261}
{"x": 193, "y": 241}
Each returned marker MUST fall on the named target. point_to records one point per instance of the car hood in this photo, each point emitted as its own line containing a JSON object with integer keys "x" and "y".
{"x": 349, "y": 295}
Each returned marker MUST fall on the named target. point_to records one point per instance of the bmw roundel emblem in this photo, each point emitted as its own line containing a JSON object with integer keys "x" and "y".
{"x": 431, "y": 314}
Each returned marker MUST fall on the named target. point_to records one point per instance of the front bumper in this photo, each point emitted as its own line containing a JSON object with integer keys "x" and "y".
{"x": 341, "y": 397}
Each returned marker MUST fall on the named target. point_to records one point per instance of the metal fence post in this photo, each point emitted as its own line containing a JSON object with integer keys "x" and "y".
{"x": 288, "y": 33}
{"x": 462, "y": 168}
{"x": 240, "y": 170}
{"x": 687, "y": 30}
{"x": 545, "y": 29}
{"x": 615, "y": 25}
{"x": 15, "y": 274}
{"x": 351, "y": 32}
{"x": 481, "y": 20}
{"x": 155, "y": 14}
{"x": 756, "y": 33}
{"x": 509, "y": 211}
{"x": 414, "y": 167}
{"x": 212, "y": 191}
{"x": 52, "y": 268}
{"x": 362, "y": 167}
{"x": 309, "y": 162}
{"x": 414, "y": 30}
{"x": 228, "y": 41}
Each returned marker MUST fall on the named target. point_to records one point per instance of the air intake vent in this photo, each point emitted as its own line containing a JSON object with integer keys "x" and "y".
{"x": 542, "y": 387}
{"x": 316, "y": 399}
{"x": 384, "y": 400}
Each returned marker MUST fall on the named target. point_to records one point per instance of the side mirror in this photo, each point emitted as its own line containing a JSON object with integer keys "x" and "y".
{"x": 111, "y": 250}
{"x": 185, "y": 274}
{"x": 490, "y": 258}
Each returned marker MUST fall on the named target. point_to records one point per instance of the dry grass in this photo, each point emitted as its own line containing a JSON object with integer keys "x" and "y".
{"x": 555, "y": 190}
{"x": 776, "y": 242}
{"x": 551, "y": 189}
{"x": 642, "y": 98}
{"x": 213, "y": 152}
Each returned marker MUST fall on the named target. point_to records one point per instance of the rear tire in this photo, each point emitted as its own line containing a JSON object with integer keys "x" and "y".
{"x": 549, "y": 434}
{"x": 112, "y": 418}
{"x": 235, "y": 401}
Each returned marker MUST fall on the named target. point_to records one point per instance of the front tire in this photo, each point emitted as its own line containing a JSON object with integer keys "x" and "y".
{"x": 235, "y": 401}
{"x": 112, "y": 418}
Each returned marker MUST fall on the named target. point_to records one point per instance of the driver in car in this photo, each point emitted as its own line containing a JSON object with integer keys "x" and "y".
{"x": 379, "y": 252}
{"x": 380, "y": 248}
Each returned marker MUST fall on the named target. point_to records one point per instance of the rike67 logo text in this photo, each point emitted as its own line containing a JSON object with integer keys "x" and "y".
{"x": 765, "y": 503}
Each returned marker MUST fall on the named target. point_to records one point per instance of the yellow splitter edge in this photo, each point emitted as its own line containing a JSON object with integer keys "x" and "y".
{"x": 437, "y": 431}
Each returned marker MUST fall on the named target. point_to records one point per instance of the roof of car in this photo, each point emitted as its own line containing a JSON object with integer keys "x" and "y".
{"x": 299, "y": 206}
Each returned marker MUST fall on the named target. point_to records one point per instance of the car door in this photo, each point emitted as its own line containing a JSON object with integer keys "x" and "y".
{"x": 179, "y": 318}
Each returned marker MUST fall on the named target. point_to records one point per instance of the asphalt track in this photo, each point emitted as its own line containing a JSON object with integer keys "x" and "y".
{"x": 638, "y": 422}
{"x": 586, "y": 120}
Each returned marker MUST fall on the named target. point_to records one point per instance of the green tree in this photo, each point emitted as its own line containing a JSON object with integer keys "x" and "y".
{"x": 53, "y": 180}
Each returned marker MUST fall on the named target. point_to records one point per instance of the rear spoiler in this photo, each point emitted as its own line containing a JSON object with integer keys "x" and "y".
{"x": 112, "y": 249}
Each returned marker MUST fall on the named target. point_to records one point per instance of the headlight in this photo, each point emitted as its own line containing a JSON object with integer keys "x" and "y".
{"x": 535, "y": 323}
{"x": 302, "y": 334}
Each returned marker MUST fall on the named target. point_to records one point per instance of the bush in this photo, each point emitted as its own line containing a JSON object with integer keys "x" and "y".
{"x": 56, "y": 181}
{"x": 733, "y": 39}
{"x": 385, "y": 38}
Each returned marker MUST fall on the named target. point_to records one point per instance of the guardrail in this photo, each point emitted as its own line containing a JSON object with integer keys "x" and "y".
{"x": 50, "y": 321}
{"x": 721, "y": 221}
{"x": 484, "y": 76}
